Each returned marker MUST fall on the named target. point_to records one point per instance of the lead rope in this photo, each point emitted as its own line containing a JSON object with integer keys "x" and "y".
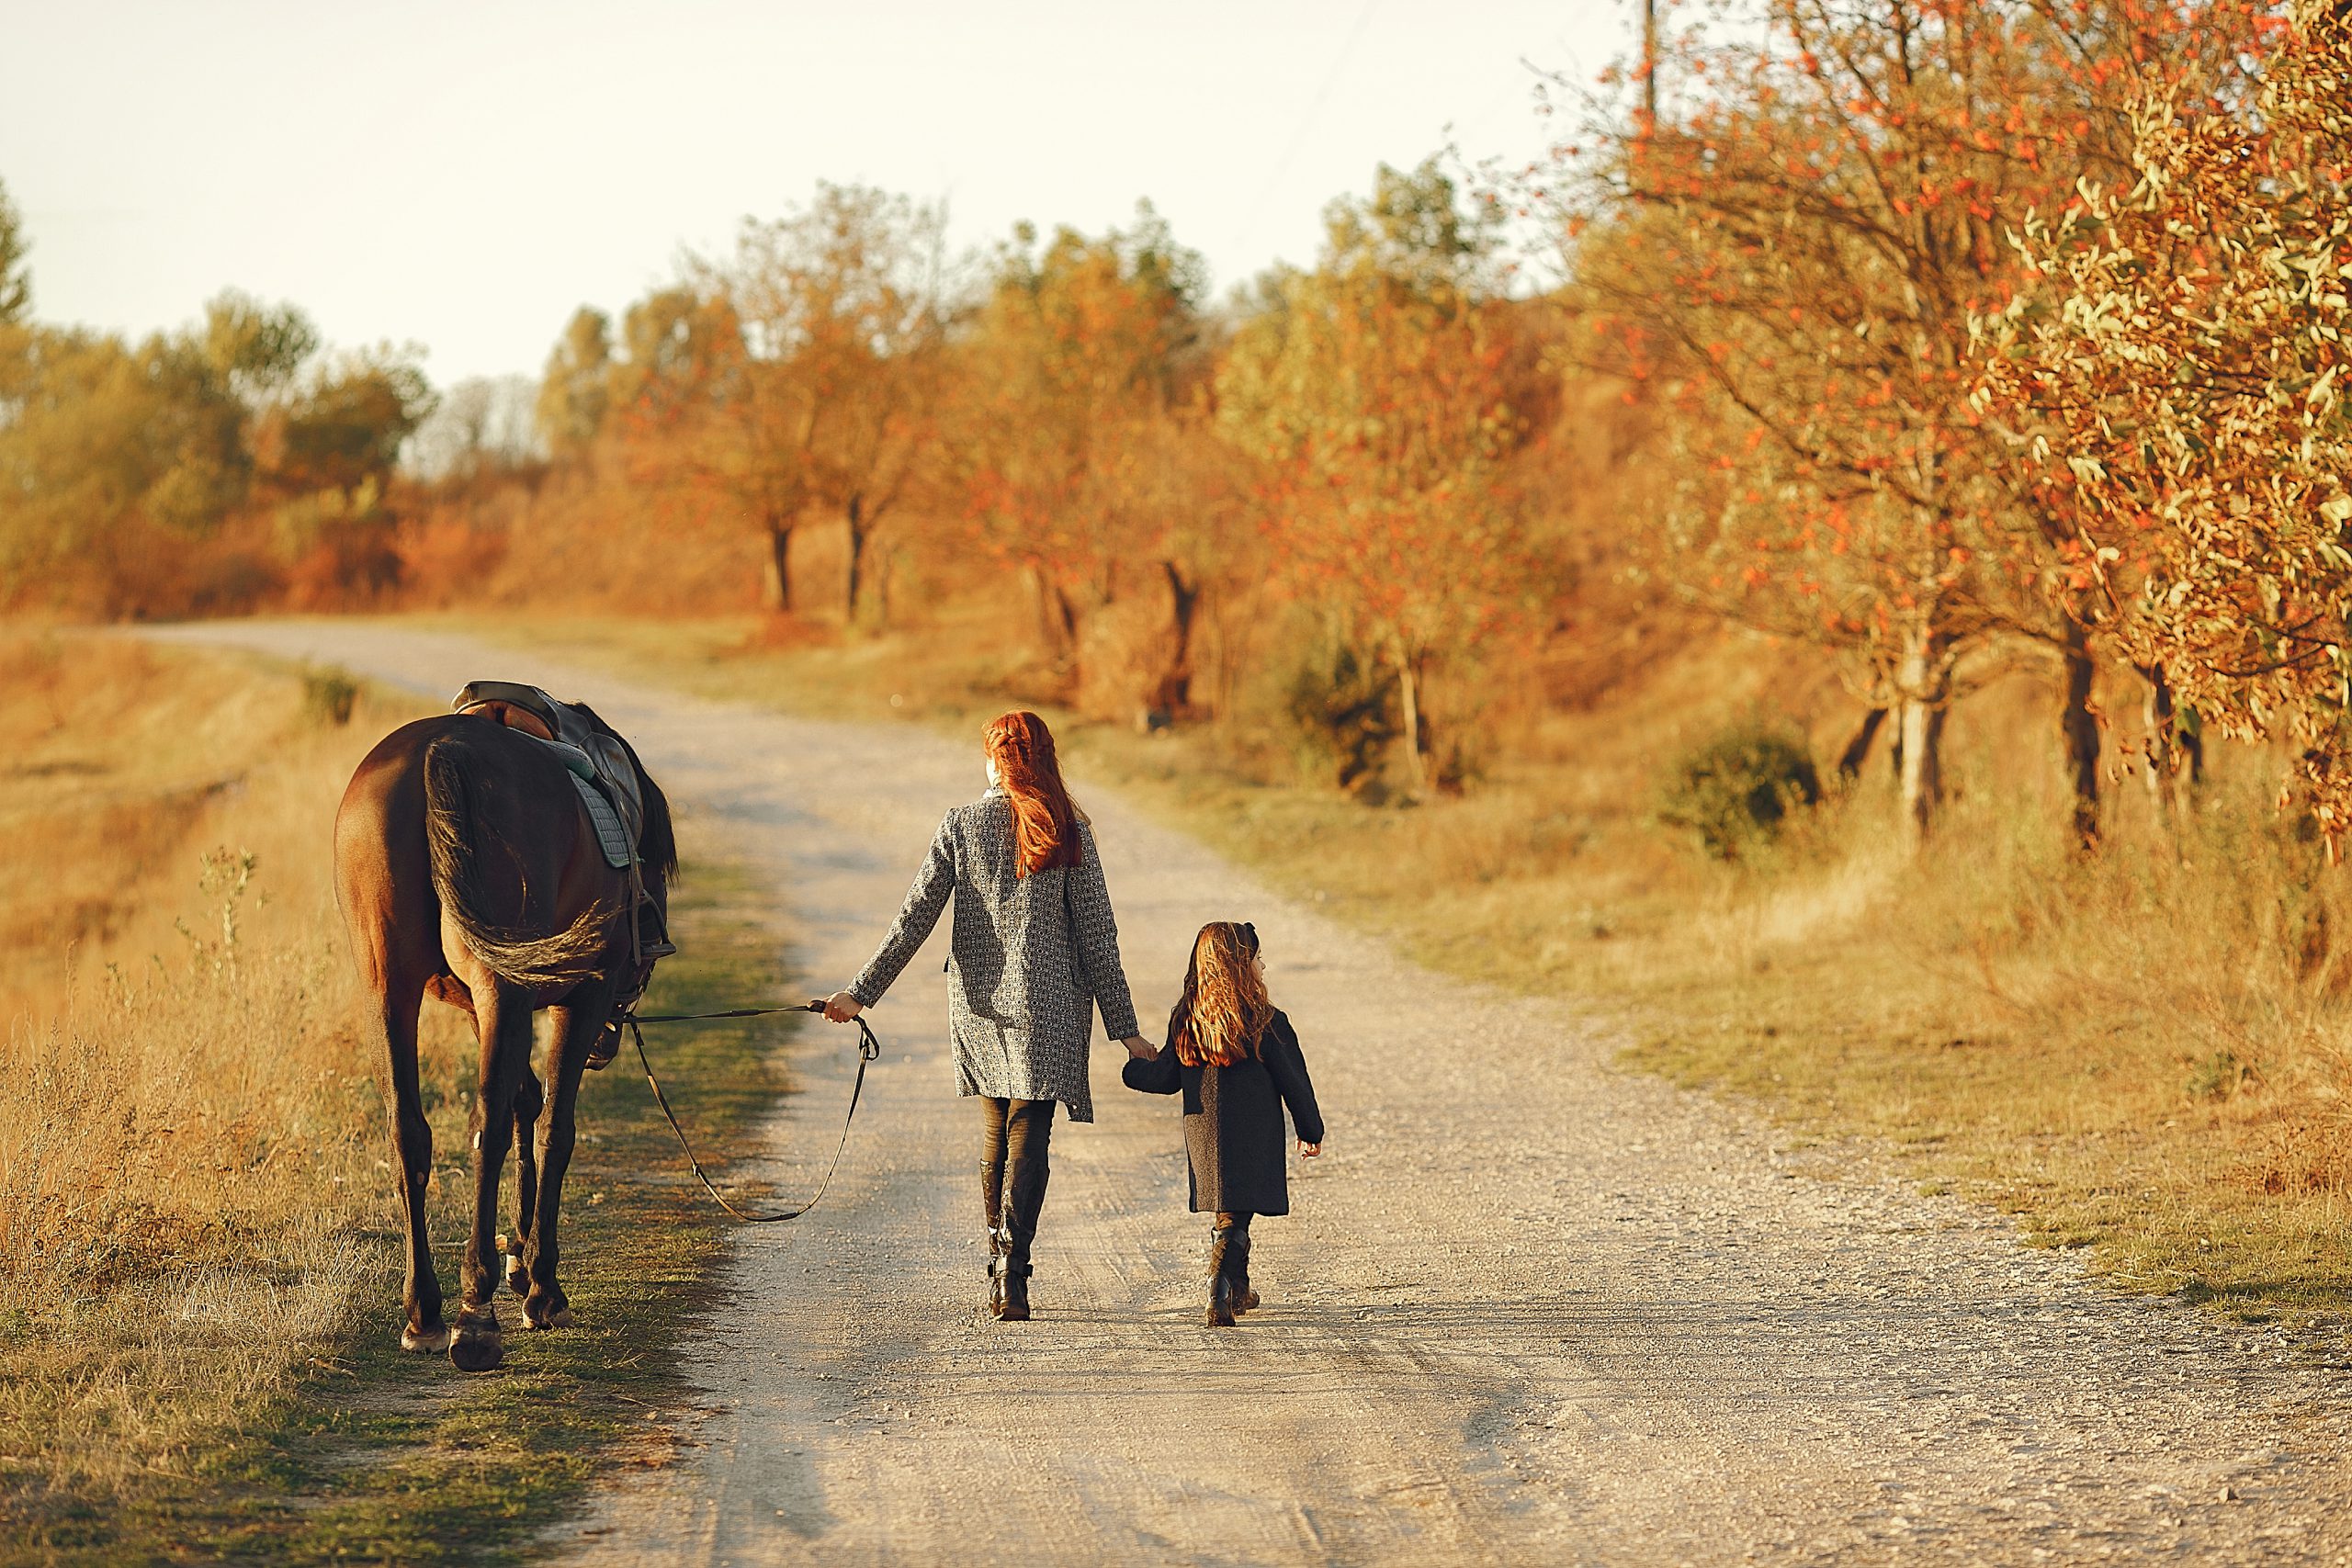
{"x": 868, "y": 1050}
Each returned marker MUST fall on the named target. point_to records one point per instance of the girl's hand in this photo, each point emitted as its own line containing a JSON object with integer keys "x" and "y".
{"x": 842, "y": 1007}
{"x": 1142, "y": 1050}
{"x": 1308, "y": 1150}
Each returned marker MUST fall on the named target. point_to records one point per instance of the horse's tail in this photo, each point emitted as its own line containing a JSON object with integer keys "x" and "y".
{"x": 512, "y": 954}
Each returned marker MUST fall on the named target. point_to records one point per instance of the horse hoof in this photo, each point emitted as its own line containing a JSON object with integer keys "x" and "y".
{"x": 537, "y": 1315}
{"x": 476, "y": 1351}
{"x": 432, "y": 1341}
{"x": 477, "y": 1346}
{"x": 518, "y": 1278}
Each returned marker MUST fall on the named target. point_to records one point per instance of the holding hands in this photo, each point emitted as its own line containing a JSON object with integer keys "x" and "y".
{"x": 1308, "y": 1150}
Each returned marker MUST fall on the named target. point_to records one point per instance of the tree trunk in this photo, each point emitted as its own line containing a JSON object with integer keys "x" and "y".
{"x": 1857, "y": 749}
{"x": 777, "y": 569}
{"x": 1056, "y": 617}
{"x": 1171, "y": 696}
{"x": 1409, "y": 690}
{"x": 2175, "y": 751}
{"x": 1926, "y": 679}
{"x": 854, "y": 561}
{"x": 1051, "y": 627}
{"x": 2078, "y": 730}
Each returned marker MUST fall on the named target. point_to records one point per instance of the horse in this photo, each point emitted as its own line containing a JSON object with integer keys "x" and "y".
{"x": 467, "y": 870}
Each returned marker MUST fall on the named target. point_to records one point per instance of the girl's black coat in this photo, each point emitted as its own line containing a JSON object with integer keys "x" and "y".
{"x": 1233, "y": 1120}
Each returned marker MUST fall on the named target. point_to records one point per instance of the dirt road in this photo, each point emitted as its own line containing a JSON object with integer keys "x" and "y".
{"x": 1529, "y": 1310}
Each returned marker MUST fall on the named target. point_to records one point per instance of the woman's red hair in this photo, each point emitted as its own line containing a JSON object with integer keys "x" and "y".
{"x": 1044, "y": 819}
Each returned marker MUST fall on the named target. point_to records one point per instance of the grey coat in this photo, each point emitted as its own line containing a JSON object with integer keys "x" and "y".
{"x": 1030, "y": 958}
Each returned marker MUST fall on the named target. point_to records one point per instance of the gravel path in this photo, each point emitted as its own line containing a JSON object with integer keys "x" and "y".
{"x": 1529, "y": 1308}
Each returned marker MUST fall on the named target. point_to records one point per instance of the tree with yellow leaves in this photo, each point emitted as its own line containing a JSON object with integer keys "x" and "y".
{"x": 2173, "y": 378}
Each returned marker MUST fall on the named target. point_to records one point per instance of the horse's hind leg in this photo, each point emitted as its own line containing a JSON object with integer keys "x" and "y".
{"x": 577, "y": 1024}
{"x": 502, "y": 1024}
{"x": 530, "y": 1101}
{"x": 413, "y": 1145}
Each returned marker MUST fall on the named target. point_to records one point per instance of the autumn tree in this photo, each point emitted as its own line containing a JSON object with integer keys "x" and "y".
{"x": 1385, "y": 392}
{"x": 795, "y": 378}
{"x": 2173, "y": 379}
{"x": 1790, "y": 257}
{"x": 1080, "y": 447}
{"x": 839, "y": 306}
{"x": 119, "y": 461}
{"x": 704, "y": 427}
{"x": 575, "y": 390}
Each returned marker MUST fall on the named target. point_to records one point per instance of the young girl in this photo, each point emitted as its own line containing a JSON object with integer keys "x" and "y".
{"x": 1238, "y": 1063}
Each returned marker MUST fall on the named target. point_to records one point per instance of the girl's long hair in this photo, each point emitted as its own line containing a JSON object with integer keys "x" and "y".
{"x": 1044, "y": 819}
{"x": 1225, "y": 1007}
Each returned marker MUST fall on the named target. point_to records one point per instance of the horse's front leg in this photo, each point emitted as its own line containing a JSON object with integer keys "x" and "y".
{"x": 530, "y": 1101}
{"x": 576, "y": 1025}
{"x": 502, "y": 1024}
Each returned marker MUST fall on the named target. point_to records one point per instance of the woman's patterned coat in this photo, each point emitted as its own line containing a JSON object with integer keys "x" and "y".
{"x": 1030, "y": 958}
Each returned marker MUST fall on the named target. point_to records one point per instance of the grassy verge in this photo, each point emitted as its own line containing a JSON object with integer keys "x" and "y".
{"x": 380, "y": 1456}
{"x": 2133, "y": 1053}
{"x": 199, "y": 1277}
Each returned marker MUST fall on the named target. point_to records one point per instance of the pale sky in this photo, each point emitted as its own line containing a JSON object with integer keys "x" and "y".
{"x": 461, "y": 177}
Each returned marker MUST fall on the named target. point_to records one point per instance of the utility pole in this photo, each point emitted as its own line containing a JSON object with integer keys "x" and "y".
{"x": 1649, "y": 66}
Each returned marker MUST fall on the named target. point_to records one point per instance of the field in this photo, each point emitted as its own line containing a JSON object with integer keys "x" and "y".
{"x": 2136, "y": 1052}
{"x": 199, "y": 1277}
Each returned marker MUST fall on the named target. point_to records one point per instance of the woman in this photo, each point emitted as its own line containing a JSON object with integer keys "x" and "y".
{"x": 1032, "y": 953}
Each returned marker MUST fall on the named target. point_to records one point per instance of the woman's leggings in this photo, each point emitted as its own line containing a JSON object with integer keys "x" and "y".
{"x": 1016, "y": 1136}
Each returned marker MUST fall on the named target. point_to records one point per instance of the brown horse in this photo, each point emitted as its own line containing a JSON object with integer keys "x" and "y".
{"x": 467, "y": 870}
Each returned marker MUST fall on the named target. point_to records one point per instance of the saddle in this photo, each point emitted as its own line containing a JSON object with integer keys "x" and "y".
{"x": 599, "y": 764}
{"x": 606, "y": 783}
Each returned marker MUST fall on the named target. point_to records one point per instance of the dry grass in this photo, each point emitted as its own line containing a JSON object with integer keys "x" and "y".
{"x": 2137, "y": 1053}
{"x": 191, "y": 1184}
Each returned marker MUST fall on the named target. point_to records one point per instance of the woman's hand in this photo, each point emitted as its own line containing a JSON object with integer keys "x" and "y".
{"x": 843, "y": 1007}
{"x": 1308, "y": 1150}
{"x": 1142, "y": 1050}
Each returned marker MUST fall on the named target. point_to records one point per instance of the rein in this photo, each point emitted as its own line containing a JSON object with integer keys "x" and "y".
{"x": 868, "y": 1050}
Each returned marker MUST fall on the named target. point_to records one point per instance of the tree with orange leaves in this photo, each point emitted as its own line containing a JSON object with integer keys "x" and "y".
{"x": 1792, "y": 260}
{"x": 1385, "y": 392}
{"x": 839, "y": 308}
{"x": 798, "y": 378}
{"x": 2173, "y": 379}
{"x": 1080, "y": 450}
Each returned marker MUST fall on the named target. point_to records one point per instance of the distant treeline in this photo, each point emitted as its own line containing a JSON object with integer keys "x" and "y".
{"x": 1944, "y": 335}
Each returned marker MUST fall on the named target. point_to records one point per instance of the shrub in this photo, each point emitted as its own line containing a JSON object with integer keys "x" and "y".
{"x": 328, "y": 695}
{"x": 1734, "y": 792}
{"x": 1343, "y": 709}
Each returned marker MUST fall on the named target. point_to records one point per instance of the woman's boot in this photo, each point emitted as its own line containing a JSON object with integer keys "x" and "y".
{"x": 992, "y": 1204}
{"x": 1025, "y": 1201}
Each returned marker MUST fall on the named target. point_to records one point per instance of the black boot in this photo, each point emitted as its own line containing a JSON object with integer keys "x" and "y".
{"x": 992, "y": 1204}
{"x": 1221, "y": 1296}
{"x": 1236, "y": 1267}
{"x": 1024, "y": 1199}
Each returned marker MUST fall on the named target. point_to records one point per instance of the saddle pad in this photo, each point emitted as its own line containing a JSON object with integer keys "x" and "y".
{"x": 611, "y": 837}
